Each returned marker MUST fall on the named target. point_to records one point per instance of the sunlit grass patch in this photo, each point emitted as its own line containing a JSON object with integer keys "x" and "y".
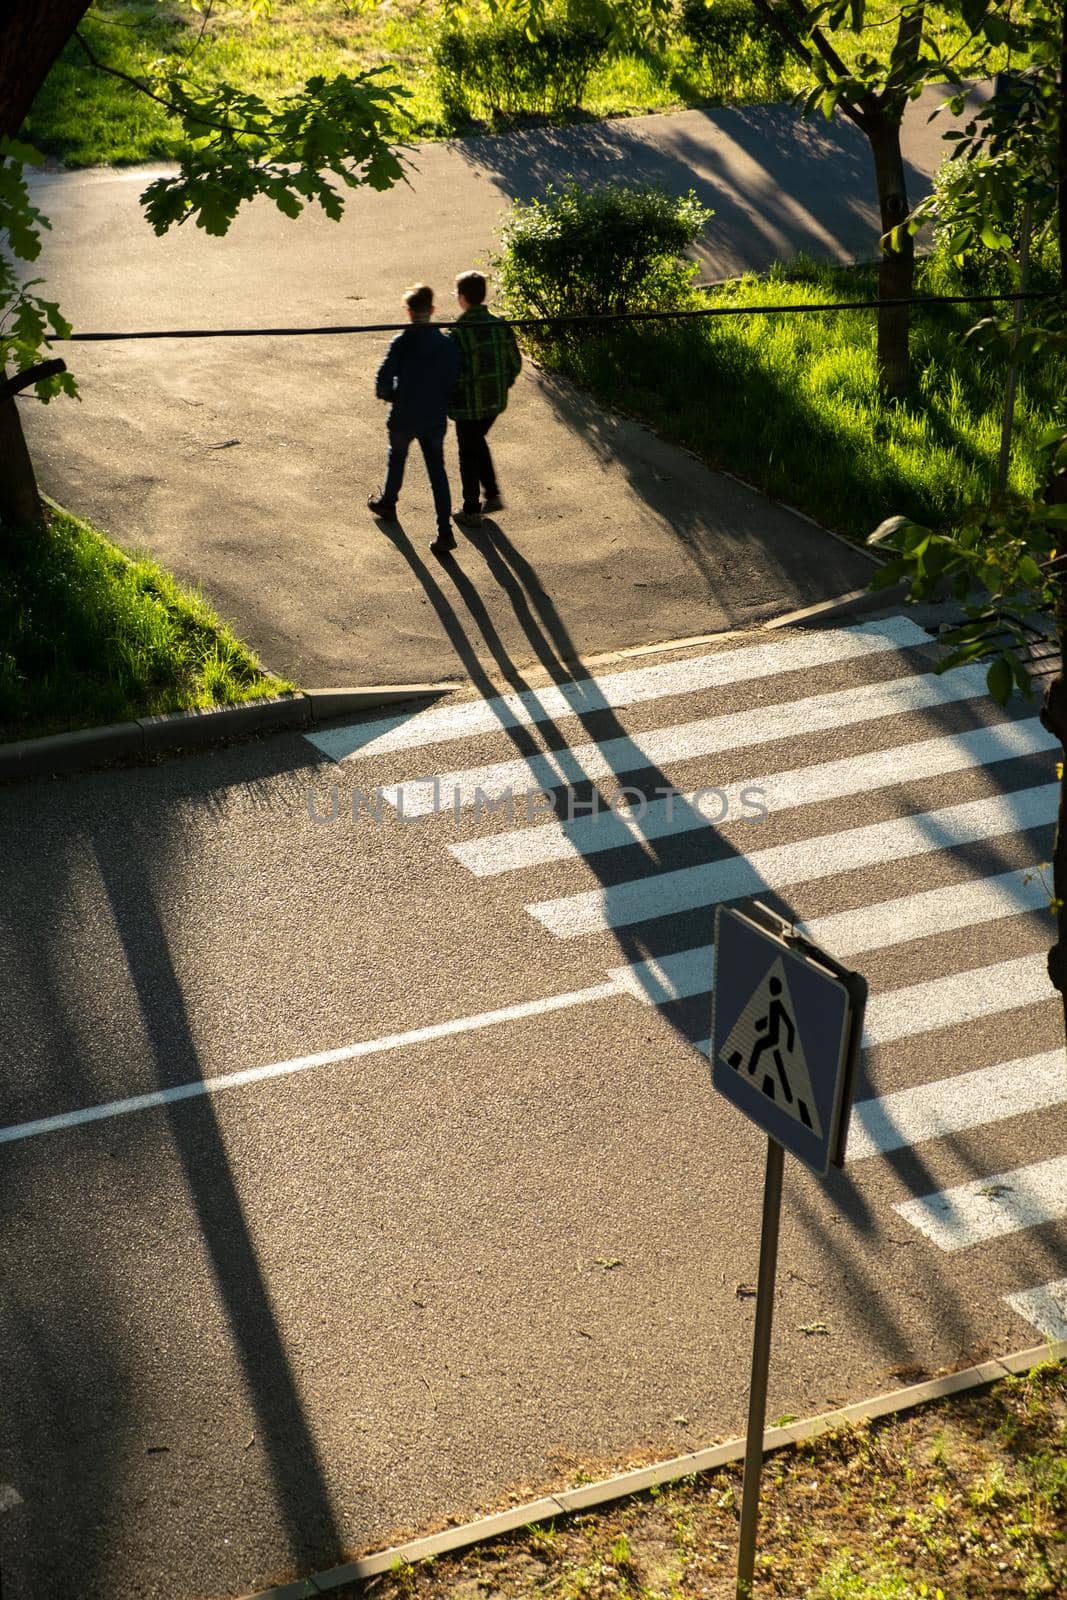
{"x": 90, "y": 636}
{"x": 85, "y": 117}
{"x": 791, "y": 402}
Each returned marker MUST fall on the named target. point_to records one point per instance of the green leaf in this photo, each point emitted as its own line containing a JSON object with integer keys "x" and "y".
{"x": 997, "y": 30}
{"x": 994, "y": 240}
{"x": 1000, "y": 678}
{"x": 973, "y": 12}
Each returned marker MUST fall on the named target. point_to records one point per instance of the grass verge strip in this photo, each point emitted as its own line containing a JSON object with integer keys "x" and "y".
{"x": 90, "y": 636}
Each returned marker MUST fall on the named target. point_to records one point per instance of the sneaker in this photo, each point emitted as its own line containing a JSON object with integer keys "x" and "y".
{"x": 492, "y": 502}
{"x": 382, "y": 508}
{"x": 443, "y": 544}
{"x": 467, "y": 519}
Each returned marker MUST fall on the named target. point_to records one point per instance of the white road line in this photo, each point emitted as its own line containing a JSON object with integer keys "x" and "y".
{"x": 951, "y": 1105}
{"x": 946, "y": 1002}
{"x": 664, "y": 978}
{"x": 658, "y": 895}
{"x": 1045, "y": 1308}
{"x": 875, "y": 927}
{"x": 987, "y": 1208}
{"x": 627, "y": 688}
{"x": 324, "y": 1058}
{"x": 685, "y": 741}
{"x": 781, "y": 791}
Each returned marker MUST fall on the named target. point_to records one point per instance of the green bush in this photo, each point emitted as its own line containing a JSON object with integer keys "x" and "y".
{"x": 976, "y": 268}
{"x": 491, "y": 68}
{"x": 591, "y": 252}
{"x": 740, "y": 52}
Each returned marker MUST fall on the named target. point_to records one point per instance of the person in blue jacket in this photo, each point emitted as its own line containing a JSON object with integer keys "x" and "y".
{"x": 417, "y": 376}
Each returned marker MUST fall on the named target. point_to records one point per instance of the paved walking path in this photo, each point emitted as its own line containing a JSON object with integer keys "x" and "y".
{"x": 244, "y": 464}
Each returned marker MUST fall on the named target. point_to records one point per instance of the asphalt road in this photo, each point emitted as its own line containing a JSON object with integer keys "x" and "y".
{"x": 244, "y": 465}
{"x": 249, "y": 1331}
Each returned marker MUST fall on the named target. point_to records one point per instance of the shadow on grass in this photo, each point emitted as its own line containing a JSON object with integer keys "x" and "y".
{"x": 842, "y": 455}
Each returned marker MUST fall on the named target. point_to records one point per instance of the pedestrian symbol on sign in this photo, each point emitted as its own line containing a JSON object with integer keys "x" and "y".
{"x": 765, "y": 1046}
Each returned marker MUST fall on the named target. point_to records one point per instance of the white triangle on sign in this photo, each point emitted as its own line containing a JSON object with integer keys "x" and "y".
{"x": 764, "y": 1046}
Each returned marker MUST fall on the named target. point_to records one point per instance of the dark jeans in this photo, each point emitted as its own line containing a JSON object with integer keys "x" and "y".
{"x": 476, "y": 468}
{"x": 433, "y": 453}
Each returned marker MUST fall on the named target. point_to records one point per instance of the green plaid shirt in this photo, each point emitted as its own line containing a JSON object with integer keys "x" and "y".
{"x": 489, "y": 363}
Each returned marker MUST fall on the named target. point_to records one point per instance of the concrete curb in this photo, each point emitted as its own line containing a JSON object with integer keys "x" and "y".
{"x": 856, "y": 603}
{"x": 570, "y": 1501}
{"x": 184, "y": 730}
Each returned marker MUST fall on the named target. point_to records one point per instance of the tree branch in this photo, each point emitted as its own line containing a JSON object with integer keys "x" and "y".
{"x": 771, "y": 14}
{"x": 905, "y": 52}
{"x": 22, "y": 380}
{"x": 161, "y": 100}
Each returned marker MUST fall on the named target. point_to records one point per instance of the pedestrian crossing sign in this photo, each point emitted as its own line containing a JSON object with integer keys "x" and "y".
{"x": 786, "y": 1026}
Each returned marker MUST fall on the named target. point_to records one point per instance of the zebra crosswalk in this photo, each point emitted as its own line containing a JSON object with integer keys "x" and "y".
{"x": 895, "y": 813}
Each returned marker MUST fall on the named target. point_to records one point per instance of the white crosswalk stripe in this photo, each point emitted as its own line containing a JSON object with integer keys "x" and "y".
{"x": 848, "y": 933}
{"x": 947, "y": 1002}
{"x": 972, "y": 1213}
{"x": 778, "y": 791}
{"x": 641, "y": 900}
{"x": 685, "y": 741}
{"x": 618, "y": 689}
{"x": 951, "y": 1105}
{"x": 847, "y": 728}
{"x": 1045, "y": 1307}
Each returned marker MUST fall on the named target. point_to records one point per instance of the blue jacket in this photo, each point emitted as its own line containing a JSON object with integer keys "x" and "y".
{"x": 418, "y": 374}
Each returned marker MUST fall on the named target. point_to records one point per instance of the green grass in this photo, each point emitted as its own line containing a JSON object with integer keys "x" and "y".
{"x": 90, "y": 636}
{"x": 84, "y": 117}
{"x": 791, "y": 402}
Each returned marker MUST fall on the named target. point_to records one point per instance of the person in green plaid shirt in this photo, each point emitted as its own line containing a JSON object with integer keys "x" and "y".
{"x": 489, "y": 364}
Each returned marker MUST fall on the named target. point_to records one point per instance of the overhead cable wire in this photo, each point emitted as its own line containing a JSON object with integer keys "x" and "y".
{"x": 554, "y": 322}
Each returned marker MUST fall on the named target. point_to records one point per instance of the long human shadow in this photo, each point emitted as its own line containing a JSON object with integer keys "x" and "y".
{"x": 555, "y": 651}
{"x": 301, "y": 1492}
{"x": 518, "y": 578}
{"x": 552, "y": 646}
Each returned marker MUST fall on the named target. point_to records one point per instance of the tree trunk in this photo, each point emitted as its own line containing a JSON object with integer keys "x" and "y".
{"x": 32, "y": 33}
{"x": 896, "y": 275}
{"x": 20, "y": 503}
{"x": 1054, "y": 718}
{"x": 1054, "y": 709}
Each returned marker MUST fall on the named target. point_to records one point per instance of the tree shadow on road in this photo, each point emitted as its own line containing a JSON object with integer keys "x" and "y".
{"x": 96, "y": 1358}
{"x": 749, "y": 549}
{"x": 300, "y": 1490}
{"x": 777, "y": 183}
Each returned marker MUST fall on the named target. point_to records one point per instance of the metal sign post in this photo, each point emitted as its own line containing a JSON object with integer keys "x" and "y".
{"x": 761, "y": 1361}
{"x": 787, "y": 1020}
